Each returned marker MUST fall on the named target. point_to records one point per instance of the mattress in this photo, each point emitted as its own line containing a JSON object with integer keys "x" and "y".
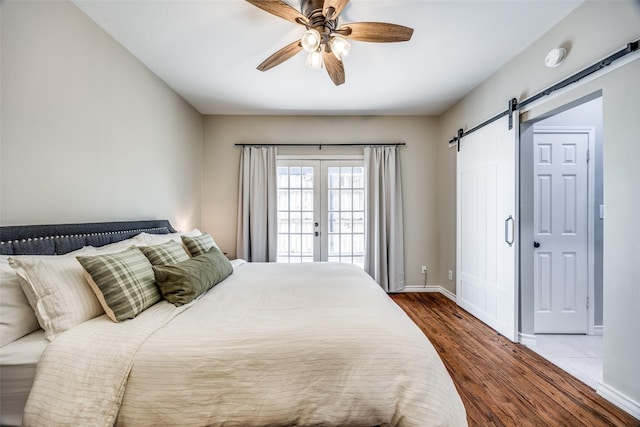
{"x": 18, "y": 362}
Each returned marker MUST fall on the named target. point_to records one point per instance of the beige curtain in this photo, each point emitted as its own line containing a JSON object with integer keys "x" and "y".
{"x": 257, "y": 205}
{"x": 384, "y": 254}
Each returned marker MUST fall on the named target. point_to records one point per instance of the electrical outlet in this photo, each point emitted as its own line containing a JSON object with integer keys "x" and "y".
{"x": 424, "y": 269}
{"x": 450, "y": 275}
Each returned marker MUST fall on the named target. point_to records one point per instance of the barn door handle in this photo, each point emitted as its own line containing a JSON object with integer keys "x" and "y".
{"x": 506, "y": 230}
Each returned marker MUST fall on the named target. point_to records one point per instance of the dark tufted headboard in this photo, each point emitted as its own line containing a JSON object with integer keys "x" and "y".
{"x": 59, "y": 239}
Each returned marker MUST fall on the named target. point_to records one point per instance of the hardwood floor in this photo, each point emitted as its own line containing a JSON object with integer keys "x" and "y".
{"x": 502, "y": 383}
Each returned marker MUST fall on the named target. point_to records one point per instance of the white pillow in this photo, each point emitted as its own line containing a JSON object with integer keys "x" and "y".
{"x": 119, "y": 246}
{"x": 17, "y": 318}
{"x": 158, "y": 239}
{"x": 57, "y": 290}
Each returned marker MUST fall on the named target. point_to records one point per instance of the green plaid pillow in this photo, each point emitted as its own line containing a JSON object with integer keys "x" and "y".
{"x": 167, "y": 253}
{"x": 123, "y": 282}
{"x": 199, "y": 245}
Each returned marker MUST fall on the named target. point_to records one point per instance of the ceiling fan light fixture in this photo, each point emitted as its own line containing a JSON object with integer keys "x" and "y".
{"x": 340, "y": 47}
{"x": 314, "y": 60}
{"x": 311, "y": 40}
{"x": 326, "y": 42}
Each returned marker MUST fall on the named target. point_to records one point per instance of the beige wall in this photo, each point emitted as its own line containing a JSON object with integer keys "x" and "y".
{"x": 419, "y": 163}
{"x": 88, "y": 132}
{"x": 593, "y": 31}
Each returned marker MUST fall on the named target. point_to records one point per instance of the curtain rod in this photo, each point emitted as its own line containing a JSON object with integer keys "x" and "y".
{"x": 320, "y": 145}
{"x": 515, "y": 105}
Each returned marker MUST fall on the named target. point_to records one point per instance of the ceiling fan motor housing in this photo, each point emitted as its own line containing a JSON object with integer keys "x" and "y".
{"x": 309, "y": 6}
{"x": 312, "y": 9}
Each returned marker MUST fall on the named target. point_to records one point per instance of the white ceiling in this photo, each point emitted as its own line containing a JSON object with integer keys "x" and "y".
{"x": 207, "y": 51}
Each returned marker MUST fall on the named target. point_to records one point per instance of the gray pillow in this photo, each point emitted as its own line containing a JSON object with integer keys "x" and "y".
{"x": 183, "y": 282}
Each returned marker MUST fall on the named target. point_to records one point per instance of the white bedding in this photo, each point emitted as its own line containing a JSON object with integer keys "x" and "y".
{"x": 273, "y": 344}
{"x": 18, "y": 362}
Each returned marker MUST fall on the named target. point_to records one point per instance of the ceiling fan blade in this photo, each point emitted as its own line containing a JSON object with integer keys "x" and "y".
{"x": 334, "y": 67}
{"x": 280, "y": 56}
{"x": 336, "y": 5}
{"x": 280, "y": 9}
{"x": 378, "y": 32}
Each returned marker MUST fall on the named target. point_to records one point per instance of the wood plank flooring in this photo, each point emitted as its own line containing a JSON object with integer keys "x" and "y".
{"x": 502, "y": 383}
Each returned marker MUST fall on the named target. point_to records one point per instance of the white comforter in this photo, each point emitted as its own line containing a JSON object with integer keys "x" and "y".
{"x": 273, "y": 344}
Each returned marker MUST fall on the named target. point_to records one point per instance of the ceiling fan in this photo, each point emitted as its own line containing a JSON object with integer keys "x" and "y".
{"x": 325, "y": 40}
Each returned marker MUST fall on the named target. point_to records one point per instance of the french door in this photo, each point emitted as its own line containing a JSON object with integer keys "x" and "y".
{"x": 321, "y": 211}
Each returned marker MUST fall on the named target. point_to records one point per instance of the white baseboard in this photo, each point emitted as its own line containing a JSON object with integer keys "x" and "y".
{"x": 447, "y": 293}
{"x": 620, "y": 400}
{"x": 530, "y": 340}
{"x": 431, "y": 288}
{"x": 527, "y": 339}
{"x": 413, "y": 288}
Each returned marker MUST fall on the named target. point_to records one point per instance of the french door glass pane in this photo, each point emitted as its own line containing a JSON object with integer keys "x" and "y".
{"x": 334, "y": 200}
{"x": 307, "y": 223}
{"x": 307, "y": 177}
{"x": 295, "y": 224}
{"x": 283, "y": 200}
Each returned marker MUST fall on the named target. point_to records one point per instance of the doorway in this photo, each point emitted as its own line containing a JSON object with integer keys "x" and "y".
{"x": 561, "y": 343}
{"x": 321, "y": 211}
{"x": 584, "y": 119}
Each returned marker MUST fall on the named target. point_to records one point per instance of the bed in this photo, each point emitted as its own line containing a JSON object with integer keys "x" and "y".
{"x": 269, "y": 345}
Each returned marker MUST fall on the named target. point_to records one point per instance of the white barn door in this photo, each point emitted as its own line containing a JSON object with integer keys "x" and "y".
{"x": 487, "y": 226}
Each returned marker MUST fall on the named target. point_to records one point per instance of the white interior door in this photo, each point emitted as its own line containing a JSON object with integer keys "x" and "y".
{"x": 486, "y": 226}
{"x": 560, "y": 231}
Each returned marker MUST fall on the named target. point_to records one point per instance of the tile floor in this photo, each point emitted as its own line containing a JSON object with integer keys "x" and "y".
{"x": 579, "y": 355}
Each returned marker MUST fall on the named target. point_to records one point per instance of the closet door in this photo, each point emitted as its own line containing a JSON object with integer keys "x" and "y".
{"x": 486, "y": 226}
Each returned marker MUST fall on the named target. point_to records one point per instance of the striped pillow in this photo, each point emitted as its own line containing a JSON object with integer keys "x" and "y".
{"x": 199, "y": 245}
{"x": 57, "y": 290}
{"x": 168, "y": 253}
{"x": 17, "y": 318}
{"x": 123, "y": 282}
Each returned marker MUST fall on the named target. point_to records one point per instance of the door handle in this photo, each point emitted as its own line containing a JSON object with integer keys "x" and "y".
{"x": 506, "y": 230}
{"x": 317, "y": 234}
{"x": 536, "y": 244}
